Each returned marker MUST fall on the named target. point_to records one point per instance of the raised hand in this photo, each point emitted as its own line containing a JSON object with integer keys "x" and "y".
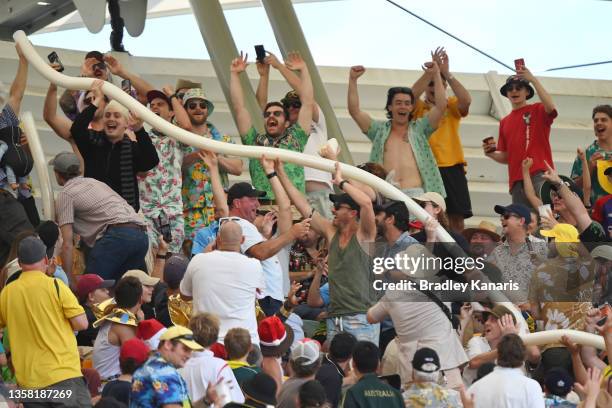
{"x": 356, "y": 71}
{"x": 96, "y": 94}
{"x": 135, "y": 122}
{"x": 337, "y": 179}
{"x": 551, "y": 174}
{"x": 527, "y": 163}
{"x": 239, "y": 64}
{"x": 507, "y": 326}
{"x": 570, "y": 345}
{"x": 267, "y": 164}
{"x": 114, "y": 66}
{"x": 262, "y": 68}
{"x": 295, "y": 287}
{"x": 524, "y": 73}
{"x": 295, "y": 62}
{"x": 168, "y": 90}
{"x": 272, "y": 60}
{"x": 209, "y": 158}
{"x": 580, "y": 153}
{"x": 268, "y": 223}
{"x": 300, "y": 229}
{"x": 431, "y": 226}
{"x": 594, "y": 158}
{"x": 590, "y": 389}
{"x": 441, "y": 58}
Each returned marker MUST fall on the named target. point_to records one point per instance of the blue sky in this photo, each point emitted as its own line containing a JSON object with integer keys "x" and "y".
{"x": 374, "y": 33}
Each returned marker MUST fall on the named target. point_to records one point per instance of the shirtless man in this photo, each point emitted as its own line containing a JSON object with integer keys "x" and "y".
{"x": 399, "y": 144}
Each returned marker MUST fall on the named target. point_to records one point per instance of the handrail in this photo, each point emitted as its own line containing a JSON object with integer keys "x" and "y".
{"x": 220, "y": 147}
{"x": 40, "y": 164}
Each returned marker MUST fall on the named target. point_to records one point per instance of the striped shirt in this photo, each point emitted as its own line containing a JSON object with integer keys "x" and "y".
{"x": 8, "y": 117}
{"x": 91, "y": 206}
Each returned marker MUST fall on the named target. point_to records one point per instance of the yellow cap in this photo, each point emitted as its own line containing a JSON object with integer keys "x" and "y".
{"x": 562, "y": 233}
{"x": 182, "y": 334}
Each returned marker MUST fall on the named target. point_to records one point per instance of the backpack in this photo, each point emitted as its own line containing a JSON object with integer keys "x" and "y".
{"x": 16, "y": 156}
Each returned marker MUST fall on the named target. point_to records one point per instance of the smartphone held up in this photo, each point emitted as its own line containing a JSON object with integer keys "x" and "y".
{"x": 54, "y": 59}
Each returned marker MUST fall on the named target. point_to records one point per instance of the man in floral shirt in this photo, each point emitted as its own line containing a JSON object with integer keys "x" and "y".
{"x": 278, "y": 130}
{"x": 158, "y": 383}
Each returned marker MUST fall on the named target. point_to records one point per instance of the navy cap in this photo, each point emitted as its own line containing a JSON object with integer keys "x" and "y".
{"x": 518, "y": 209}
{"x": 174, "y": 270}
{"x": 558, "y": 381}
{"x": 426, "y": 360}
{"x": 243, "y": 189}
{"x": 31, "y": 250}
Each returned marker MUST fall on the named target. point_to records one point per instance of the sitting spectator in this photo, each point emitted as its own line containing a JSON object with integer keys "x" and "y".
{"x": 483, "y": 239}
{"x": 424, "y": 390}
{"x": 157, "y": 383}
{"x": 369, "y": 391}
{"x": 238, "y": 346}
{"x": 91, "y": 290}
{"x": 311, "y": 395}
{"x": 176, "y": 310}
{"x": 275, "y": 338}
{"x": 149, "y": 331}
{"x": 335, "y": 366}
{"x": 557, "y": 384}
{"x": 116, "y": 154}
{"x": 87, "y": 207}
{"x": 507, "y": 385}
{"x": 259, "y": 392}
{"x": 53, "y": 315}
{"x": 149, "y": 284}
{"x": 133, "y": 354}
{"x": 116, "y": 327}
{"x": 304, "y": 361}
{"x": 278, "y": 132}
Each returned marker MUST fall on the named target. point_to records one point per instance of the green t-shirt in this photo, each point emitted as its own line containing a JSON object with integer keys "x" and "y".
{"x": 373, "y": 393}
{"x": 294, "y": 139}
{"x": 596, "y": 190}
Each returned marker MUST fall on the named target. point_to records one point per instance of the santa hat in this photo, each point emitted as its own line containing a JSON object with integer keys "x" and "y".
{"x": 274, "y": 336}
{"x": 150, "y": 331}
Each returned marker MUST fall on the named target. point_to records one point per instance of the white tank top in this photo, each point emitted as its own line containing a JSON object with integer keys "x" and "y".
{"x": 105, "y": 354}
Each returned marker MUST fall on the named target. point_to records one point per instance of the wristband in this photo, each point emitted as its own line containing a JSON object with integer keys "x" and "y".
{"x": 271, "y": 175}
{"x": 160, "y": 256}
{"x": 341, "y": 185}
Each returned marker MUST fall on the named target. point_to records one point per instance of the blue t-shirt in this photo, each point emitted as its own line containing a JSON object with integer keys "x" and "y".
{"x": 204, "y": 237}
{"x": 324, "y": 293}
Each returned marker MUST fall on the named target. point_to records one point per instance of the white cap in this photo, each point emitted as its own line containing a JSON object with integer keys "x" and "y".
{"x": 307, "y": 349}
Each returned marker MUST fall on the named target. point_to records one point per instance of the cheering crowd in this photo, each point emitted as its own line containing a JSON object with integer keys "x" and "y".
{"x": 159, "y": 284}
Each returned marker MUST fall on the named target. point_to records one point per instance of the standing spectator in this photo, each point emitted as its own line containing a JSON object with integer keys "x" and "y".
{"x": 13, "y": 220}
{"x": 318, "y": 183}
{"x": 350, "y": 275}
{"x": 117, "y": 153}
{"x": 445, "y": 141}
{"x": 278, "y": 130}
{"x": 203, "y": 368}
{"x": 424, "y": 390}
{"x": 117, "y": 326}
{"x": 335, "y": 366}
{"x": 304, "y": 361}
{"x": 514, "y": 256}
{"x": 399, "y": 143}
{"x": 134, "y": 352}
{"x": 507, "y": 385}
{"x": 392, "y": 220}
{"x": 238, "y": 346}
{"x": 525, "y": 132}
{"x": 91, "y": 291}
{"x": 160, "y": 187}
{"x": 42, "y": 343}
{"x": 225, "y": 282}
{"x": 600, "y": 151}
{"x": 157, "y": 383}
{"x": 106, "y": 222}
{"x": 198, "y": 190}
{"x": 369, "y": 391}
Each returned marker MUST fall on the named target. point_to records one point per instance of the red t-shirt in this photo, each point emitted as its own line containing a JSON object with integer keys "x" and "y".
{"x": 513, "y": 139}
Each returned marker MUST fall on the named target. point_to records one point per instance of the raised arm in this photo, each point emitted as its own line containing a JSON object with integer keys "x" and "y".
{"x": 60, "y": 124}
{"x": 586, "y": 178}
{"x": 180, "y": 114}
{"x": 271, "y": 247}
{"x": 530, "y": 192}
{"x": 360, "y": 117}
{"x": 140, "y": 85}
{"x": 319, "y": 223}
{"x": 419, "y": 87}
{"x": 219, "y": 197}
{"x": 464, "y": 100}
{"x": 436, "y": 113}
{"x": 284, "y": 218}
{"x": 263, "y": 69}
{"x": 296, "y": 63}
{"x": 237, "y": 95}
{"x": 19, "y": 83}
{"x": 547, "y": 101}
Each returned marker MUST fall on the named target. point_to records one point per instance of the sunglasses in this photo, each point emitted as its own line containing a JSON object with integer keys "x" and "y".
{"x": 338, "y": 206}
{"x": 193, "y": 105}
{"x": 277, "y": 114}
{"x": 296, "y": 105}
{"x": 516, "y": 87}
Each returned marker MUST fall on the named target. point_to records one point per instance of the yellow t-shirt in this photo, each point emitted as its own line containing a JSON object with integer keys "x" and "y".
{"x": 444, "y": 142}
{"x": 42, "y": 342}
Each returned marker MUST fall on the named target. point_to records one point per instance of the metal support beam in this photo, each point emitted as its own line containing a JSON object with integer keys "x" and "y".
{"x": 290, "y": 37}
{"x": 222, "y": 51}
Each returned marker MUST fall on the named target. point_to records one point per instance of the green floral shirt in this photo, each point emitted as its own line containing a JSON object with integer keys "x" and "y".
{"x": 419, "y": 133}
{"x": 293, "y": 139}
{"x": 596, "y": 190}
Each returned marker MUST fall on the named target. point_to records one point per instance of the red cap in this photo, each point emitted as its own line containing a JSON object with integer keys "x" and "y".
{"x": 89, "y": 282}
{"x": 136, "y": 349}
{"x": 218, "y": 350}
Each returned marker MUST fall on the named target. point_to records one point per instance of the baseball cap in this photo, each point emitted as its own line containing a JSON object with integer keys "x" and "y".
{"x": 547, "y": 187}
{"x": 89, "y": 282}
{"x": 558, "y": 381}
{"x": 514, "y": 79}
{"x": 396, "y": 208}
{"x": 182, "y": 334}
{"x": 426, "y": 360}
{"x": 243, "y": 189}
{"x": 136, "y": 349}
{"x": 562, "y": 233}
{"x": 31, "y": 250}
{"x": 518, "y": 209}
{"x": 498, "y": 311}
{"x": 174, "y": 270}
{"x": 602, "y": 251}
{"x": 155, "y": 93}
{"x": 433, "y": 197}
{"x": 344, "y": 198}
{"x": 142, "y": 276}
{"x": 306, "y": 349}
{"x": 198, "y": 93}
{"x": 66, "y": 162}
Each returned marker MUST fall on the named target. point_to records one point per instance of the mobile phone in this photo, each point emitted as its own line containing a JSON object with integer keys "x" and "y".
{"x": 54, "y": 59}
{"x": 490, "y": 144}
{"x": 519, "y": 63}
{"x": 544, "y": 210}
{"x": 164, "y": 229}
{"x": 126, "y": 85}
{"x": 605, "y": 311}
{"x": 260, "y": 52}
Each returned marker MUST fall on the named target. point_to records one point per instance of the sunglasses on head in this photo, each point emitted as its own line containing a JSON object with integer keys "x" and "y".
{"x": 296, "y": 105}
{"x": 223, "y": 220}
{"x": 193, "y": 105}
{"x": 277, "y": 114}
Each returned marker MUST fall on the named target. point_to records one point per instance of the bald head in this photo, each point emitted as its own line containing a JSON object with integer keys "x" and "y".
{"x": 230, "y": 237}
